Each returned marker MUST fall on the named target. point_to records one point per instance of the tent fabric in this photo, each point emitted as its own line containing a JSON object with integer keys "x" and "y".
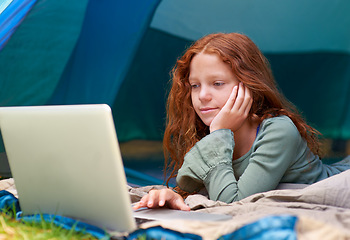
{"x": 103, "y": 72}
{"x": 34, "y": 58}
{"x": 284, "y": 26}
{"x": 11, "y": 14}
{"x": 121, "y": 54}
{"x": 4, "y": 4}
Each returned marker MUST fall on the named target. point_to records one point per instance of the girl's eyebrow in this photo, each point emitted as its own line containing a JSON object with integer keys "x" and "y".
{"x": 213, "y": 75}
{"x": 193, "y": 78}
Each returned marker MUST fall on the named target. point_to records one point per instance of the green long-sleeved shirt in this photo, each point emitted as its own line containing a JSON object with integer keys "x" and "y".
{"x": 279, "y": 155}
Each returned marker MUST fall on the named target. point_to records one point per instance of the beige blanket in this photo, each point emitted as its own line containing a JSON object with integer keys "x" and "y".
{"x": 323, "y": 209}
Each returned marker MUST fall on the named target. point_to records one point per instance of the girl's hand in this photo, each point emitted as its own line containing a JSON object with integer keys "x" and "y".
{"x": 235, "y": 111}
{"x": 162, "y": 198}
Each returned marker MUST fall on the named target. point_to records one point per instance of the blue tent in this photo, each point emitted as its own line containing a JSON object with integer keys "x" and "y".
{"x": 121, "y": 53}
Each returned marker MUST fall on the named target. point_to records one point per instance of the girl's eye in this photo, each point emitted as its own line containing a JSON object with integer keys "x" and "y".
{"x": 218, "y": 84}
{"x": 194, "y": 85}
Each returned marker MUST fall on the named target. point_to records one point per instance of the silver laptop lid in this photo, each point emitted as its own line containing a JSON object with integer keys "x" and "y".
{"x": 65, "y": 160}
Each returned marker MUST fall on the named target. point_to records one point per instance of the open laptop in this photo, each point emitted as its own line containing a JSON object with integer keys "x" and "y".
{"x": 65, "y": 160}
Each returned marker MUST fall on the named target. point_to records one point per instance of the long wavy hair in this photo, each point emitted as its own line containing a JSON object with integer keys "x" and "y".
{"x": 184, "y": 128}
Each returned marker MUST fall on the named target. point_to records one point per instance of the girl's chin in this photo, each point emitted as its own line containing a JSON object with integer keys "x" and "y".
{"x": 207, "y": 122}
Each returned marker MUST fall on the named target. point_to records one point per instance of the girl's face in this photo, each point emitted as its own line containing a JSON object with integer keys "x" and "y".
{"x": 212, "y": 81}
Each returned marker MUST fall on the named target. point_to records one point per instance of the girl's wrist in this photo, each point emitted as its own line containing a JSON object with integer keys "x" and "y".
{"x": 181, "y": 192}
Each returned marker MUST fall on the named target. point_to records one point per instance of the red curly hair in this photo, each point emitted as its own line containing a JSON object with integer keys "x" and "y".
{"x": 184, "y": 128}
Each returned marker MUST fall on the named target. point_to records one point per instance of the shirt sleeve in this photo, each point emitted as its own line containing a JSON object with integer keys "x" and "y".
{"x": 209, "y": 162}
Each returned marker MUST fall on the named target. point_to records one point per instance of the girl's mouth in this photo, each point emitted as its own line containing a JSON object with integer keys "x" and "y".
{"x": 207, "y": 110}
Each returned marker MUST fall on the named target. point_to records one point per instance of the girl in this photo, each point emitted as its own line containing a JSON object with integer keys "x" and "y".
{"x": 230, "y": 130}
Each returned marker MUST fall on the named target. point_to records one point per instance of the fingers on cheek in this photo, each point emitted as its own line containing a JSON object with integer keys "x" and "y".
{"x": 241, "y": 88}
{"x": 235, "y": 90}
{"x": 239, "y": 101}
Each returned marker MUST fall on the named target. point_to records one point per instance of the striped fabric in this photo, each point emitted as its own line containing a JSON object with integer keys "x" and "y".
{"x": 12, "y": 13}
{"x": 4, "y": 4}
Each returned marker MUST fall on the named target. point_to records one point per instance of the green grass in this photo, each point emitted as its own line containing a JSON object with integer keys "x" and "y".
{"x": 13, "y": 230}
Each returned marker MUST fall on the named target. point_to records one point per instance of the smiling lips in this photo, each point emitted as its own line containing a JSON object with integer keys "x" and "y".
{"x": 207, "y": 110}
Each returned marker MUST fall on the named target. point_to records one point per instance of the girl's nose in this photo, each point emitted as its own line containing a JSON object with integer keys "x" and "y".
{"x": 204, "y": 94}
